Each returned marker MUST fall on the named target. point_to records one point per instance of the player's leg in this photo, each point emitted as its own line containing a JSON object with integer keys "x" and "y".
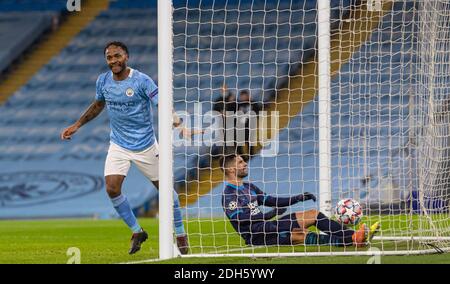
{"x": 298, "y": 236}
{"x": 148, "y": 163}
{"x": 332, "y": 227}
{"x": 339, "y": 234}
{"x": 182, "y": 241}
{"x": 116, "y": 168}
{"x": 269, "y": 233}
{"x": 296, "y": 225}
{"x": 283, "y": 231}
{"x": 290, "y": 232}
{"x": 336, "y": 234}
{"x": 120, "y": 201}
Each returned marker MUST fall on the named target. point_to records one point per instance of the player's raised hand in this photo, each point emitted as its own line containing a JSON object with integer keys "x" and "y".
{"x": 224, "y": 88}
{"x": 186, "y": 133}
{"x": 67, "y": 133}
{"x": 306, "y": 196}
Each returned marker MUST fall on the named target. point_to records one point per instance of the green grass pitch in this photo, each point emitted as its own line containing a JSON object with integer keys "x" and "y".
{"x": 107, "y": 241}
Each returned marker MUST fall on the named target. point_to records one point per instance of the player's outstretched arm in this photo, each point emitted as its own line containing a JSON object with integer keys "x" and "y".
{"x": 92, "y": 112}
{"x": 185, "y": 132}
{"x": 272, "y": 201}
{"x": 287, "y": 201}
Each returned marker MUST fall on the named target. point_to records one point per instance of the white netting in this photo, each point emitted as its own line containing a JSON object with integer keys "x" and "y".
{"x": 432, "y": 118}
{"x": 389, "y": 112}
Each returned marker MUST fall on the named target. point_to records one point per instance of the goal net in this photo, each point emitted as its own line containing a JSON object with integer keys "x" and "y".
{"x": 247, "y": 73}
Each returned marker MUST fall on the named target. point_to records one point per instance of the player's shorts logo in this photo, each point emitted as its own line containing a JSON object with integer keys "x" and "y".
{"x": 22, "y": 189}
{"x": 129, "y": 92}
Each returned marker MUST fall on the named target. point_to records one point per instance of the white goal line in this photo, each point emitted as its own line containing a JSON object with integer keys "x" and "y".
{"x": 329, "y": 253}
{"x": 303, "y": 254}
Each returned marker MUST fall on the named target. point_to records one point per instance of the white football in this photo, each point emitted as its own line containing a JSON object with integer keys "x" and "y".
{"x": 348, "y": 212}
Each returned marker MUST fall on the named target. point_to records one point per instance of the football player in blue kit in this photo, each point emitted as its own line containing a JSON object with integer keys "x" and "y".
{"x": 127, "y": 94}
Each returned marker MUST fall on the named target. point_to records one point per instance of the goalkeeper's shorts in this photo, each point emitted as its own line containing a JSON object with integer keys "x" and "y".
{"x": 276, "y": 232}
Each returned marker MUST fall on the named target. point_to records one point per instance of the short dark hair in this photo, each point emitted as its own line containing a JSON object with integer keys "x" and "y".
{"x": 225, "y": 160}
{"x": 244, "y": 92}
{"x": 116, "y": 43}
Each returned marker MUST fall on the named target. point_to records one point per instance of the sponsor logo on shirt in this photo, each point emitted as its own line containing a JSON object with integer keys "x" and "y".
{"x": 121, "y": 106}
{"x": 254, "y": 208}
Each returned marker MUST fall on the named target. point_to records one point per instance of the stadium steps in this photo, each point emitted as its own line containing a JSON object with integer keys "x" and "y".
{"x": 50, "y": 47}
{"x": 301, "y": 88}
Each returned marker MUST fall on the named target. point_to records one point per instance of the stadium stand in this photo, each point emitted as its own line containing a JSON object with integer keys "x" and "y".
{"x": 32, "y": 5}
{"x": 18, "y": 31}
{"x": 64, "y": 27}
{"x": 22, "y": 23}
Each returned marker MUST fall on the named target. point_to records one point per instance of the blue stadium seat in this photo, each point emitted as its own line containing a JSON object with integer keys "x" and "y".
{"x": 33, "y": 5}
{"x": 19, "y": 30}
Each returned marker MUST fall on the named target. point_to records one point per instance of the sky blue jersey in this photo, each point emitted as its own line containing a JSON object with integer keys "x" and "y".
{"x": 128, "y": 104}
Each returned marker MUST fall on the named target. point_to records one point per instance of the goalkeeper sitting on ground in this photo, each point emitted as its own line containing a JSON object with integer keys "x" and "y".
{"x": 241, "y": 203}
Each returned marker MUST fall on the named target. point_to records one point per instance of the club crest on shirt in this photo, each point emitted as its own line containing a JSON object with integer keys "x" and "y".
{"x": 129, "y": 92}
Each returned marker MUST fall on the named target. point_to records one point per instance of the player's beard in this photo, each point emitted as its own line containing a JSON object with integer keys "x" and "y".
{"x": 118, "y": 68}
{"x": 242, "y": 174}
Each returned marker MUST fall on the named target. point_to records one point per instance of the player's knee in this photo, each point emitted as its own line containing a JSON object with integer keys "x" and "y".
{"x": 307, "y": 218}
{"x": 113, "y": 190}
{"x": 298, "y": 236}
{"x": 312, "y": 213}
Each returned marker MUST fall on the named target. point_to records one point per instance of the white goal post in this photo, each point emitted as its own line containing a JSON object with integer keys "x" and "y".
{"x": 165, "y": 121}
{"x": 353, "y": 101}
